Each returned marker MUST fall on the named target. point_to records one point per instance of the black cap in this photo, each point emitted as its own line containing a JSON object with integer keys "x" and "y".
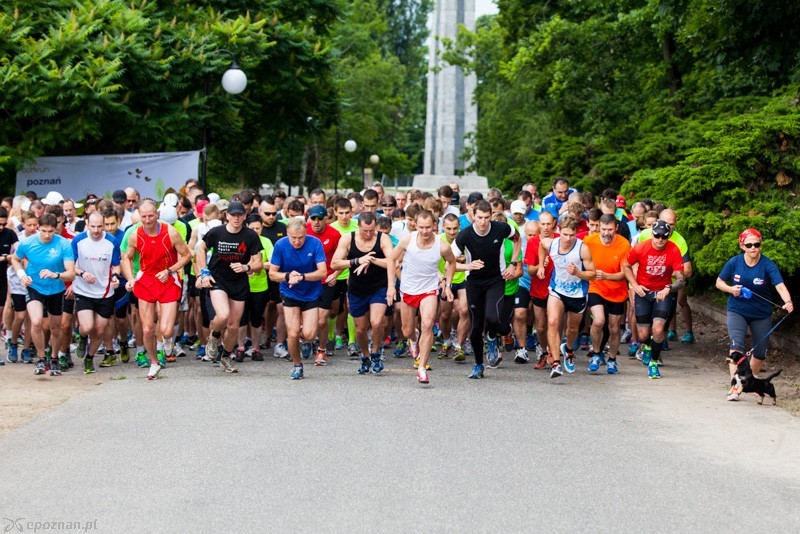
{"x": 661, "y": 227}
{"x": 474, "y": 197}
{"x": 236, "y": 208}
{"x": 119, "y": 196}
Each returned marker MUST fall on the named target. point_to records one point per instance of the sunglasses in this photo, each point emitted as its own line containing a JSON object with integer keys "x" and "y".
{"x": 316, "y": 218}
{"x": 751, "y": 245}
{"x": 3, "y": 225}
{"x": 269, "y": 213}
{"x": 660, "y": 236}
{"x": 388, "y": 205}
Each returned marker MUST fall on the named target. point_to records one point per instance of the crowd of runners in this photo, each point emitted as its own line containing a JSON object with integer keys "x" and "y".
{"x": 440, "y": 275}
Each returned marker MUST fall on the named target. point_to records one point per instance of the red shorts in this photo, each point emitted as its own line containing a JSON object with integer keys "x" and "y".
{"x": 149, "y": 289}
{"x": 414, "y": 300}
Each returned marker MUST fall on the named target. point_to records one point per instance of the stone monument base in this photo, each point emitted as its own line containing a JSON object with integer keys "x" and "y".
{"x": 468, "y": 184}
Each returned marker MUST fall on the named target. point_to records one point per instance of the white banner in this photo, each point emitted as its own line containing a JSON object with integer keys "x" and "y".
{"x": 152, "y": 175}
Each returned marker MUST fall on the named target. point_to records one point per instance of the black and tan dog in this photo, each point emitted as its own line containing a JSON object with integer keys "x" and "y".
{"x": 744, "y": 381}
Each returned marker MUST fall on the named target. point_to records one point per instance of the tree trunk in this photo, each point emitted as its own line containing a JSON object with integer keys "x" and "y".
{"x": 673, "y": 73}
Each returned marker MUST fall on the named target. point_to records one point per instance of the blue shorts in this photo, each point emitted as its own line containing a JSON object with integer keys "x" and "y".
{"x": 359, "y": 306}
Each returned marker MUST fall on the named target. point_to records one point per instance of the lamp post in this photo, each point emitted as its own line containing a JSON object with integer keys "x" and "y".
{"x": 234, "y": 81}
{"x": 350, "y": 146}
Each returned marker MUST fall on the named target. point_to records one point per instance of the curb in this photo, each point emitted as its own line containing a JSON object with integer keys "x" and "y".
{"x": 777, "y": 340}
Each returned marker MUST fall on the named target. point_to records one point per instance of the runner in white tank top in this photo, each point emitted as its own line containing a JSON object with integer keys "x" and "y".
{"x": 420, "y": 253}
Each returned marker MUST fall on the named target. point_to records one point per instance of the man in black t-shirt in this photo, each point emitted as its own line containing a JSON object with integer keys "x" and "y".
{"x": 236, "y": 252}
{"x": 273, "y": 230}
{"x": 483, "y": 242}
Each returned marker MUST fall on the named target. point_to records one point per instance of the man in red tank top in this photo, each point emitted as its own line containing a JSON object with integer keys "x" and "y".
{"x": 162, "y": 255}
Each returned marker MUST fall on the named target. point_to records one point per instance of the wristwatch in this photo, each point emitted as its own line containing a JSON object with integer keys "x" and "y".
{"x": 514, "y": 263}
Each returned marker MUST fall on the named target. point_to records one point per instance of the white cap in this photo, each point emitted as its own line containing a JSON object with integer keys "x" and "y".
{"x": 53, "y": 198}
{"x": 26, "y": 204}
{"x": 213, "y": 198}
{"x": 168, "y": 214}
{"x": 518, "y": 206}
{"x": 170, "y": 199}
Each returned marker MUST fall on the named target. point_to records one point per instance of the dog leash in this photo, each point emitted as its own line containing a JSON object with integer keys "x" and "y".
{"x": 771, "y": 330}
{"x": 747, "y": 293}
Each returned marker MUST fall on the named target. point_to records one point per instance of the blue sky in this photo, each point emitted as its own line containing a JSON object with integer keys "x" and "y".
{"x": 484, "y": 7}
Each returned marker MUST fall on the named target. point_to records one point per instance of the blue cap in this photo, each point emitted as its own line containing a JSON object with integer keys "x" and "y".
{"x": 318, "y": 211}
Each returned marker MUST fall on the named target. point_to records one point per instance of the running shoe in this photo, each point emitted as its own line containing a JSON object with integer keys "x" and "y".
{"x": 541, "y": 363}
{"x": 556, "y": 371}
{"x": 468, "y": 350}
{"x": 492, "y": 353}
{"x": 377, "y": 364}
{"x": 477, "y": 371}
{"x": 625, "y": 337}
{"x": 247, "y": 343}
{"x": 26, "y": 356}
{"x": 354, "y": 351}
{"x": 297, "y": 372}
{"x": 400, "y": 348}
{"x": 264, "y": 343}
{"x": 212, "y": 347}
{"x": 665, "y": 345}
{"x": 281, "y": 351}
{"x": 569, "y": 364}
{"x": 201, "y": 352}
{"x": 646, "y": 354}
{"x": 329, "y": 348}
{"x": 63, "y": 362}
{"x": 170, "y": 357}
{"x": 672, "y": 335}
{"x": 422, "y": 376}
{"x": 653, "y": 370}
{"x": 584, "y": 341}
{"x": 80, "y": 350}
{"x": 305, "y": 349}
{"x": 162, "y": 358}
{"x": 611, "y": 368}
{"x": 444, "y": 352}
{"x": 594, "y": 363}
{"x": 88, "y": 364}
{"x": 273, "y": 335}
{"x": 460, "y": 356}
{"x": 413, "y": 350}
{"x": 256, "y": 355}
{"x": 12, "y": 353}
{"x": 387, "y": 342}
{"x": 339, "y": 344}
{"x": 427, "y": 365}
{"x": 227, "y": 364}
{"x": 197, "y": 345}
{"x": 152, "y": 374}
{"x": 530, "y": 342}
{"x": 131, "y": 341}
{"x": 108, "y": 360}
{"x": 124, "y": 353}
{"x": 688, "y": 337}
{"x": 55, "y": 368}
{"x": 633, "y": 349}
{"x": 142, "y": 360}
{"x": 180, "y": 352}
{"x": 321, "y": 359}
{"x": 508, "y": 343}
{"x": 41, "y": 367}
{"x": 365, "y": 366}
{"x": 2, "y": 363}
{"x": 522, "y": 356}
{"x": 239, "y": 358}
{"x": 184, "y": 340}
{"x": 733, "y": 396}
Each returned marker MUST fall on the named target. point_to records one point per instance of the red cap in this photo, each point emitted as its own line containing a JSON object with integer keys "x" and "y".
{"x": 620, "y": 201}
{"x": 199, "y": 207}
{"x": 750, "y": 232}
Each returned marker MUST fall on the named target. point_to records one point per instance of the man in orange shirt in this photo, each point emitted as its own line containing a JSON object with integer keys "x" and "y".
{"x": 608, "y": 293}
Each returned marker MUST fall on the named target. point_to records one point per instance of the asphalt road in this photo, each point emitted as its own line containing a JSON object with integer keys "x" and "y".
{"x": 202, "y": 451}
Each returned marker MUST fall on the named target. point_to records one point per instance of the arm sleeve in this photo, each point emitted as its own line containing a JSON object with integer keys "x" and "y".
{"x": 727, "y": 270}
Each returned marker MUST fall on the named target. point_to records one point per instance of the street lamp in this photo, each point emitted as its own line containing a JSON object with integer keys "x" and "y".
{"x": 234, "y": 81}
{"x": 350, "y": 146}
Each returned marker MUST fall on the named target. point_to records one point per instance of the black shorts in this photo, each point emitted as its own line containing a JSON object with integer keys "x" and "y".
{"x": 52, "y": 304}
{"x": 303, "y": 305}
{"x": 571, "y": 304}
{"x": 69, "y": 306}
{"x": 539, "y": 303}
{"x": 193, "y": 292}
{"x": 206, "y": 309}
{"x": 122, "y": 301}
{"x": 18, "y": 302}
{"x": 3, "y": 289}
{"x": 274, "y": 291}
{"x": 331, "y": 293}
{"x": 612, "y": 308}
{"x": 254, "y": 308}
{"x": 235, "y": 289}
{"x": 647, "y": 308}
{"x": 454, "y": 288}
{"x": 523, "y": 298}
{"x": 103, "y": 307}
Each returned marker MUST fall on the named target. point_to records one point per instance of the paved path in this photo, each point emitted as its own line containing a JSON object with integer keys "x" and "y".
{"x": 207, "y": 452}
